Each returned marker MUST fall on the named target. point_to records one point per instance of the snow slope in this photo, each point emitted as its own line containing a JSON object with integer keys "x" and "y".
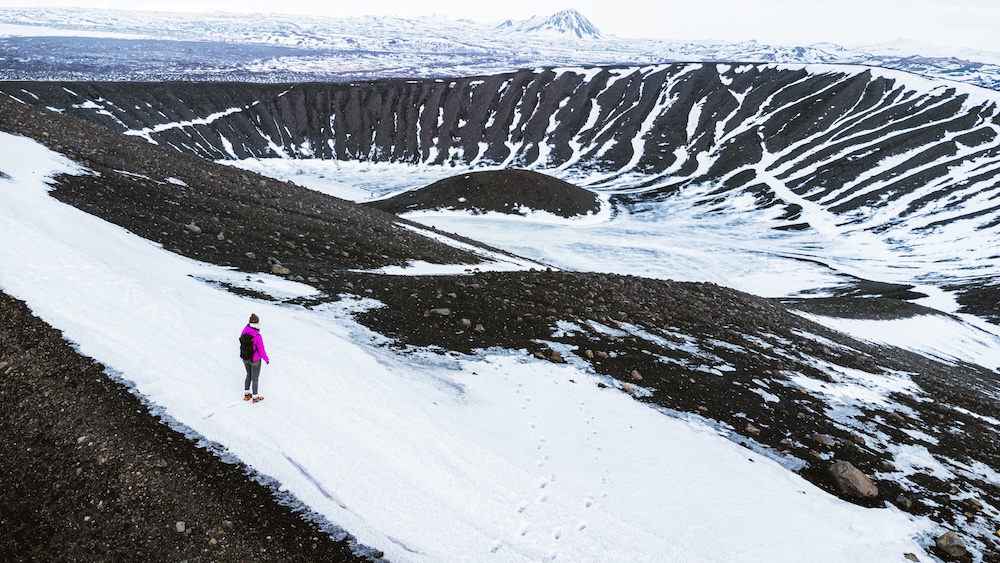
{"x": 427, "y": 457}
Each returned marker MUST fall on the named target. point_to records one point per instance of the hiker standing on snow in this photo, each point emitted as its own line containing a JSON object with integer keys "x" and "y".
{"x": 252, "y": 351}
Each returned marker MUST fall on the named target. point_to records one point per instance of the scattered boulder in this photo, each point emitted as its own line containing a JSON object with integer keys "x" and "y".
{"x": 951, "y": 544}
{"x": 279, "y": 270}
{"x": 824, "y": 440}
{"x": 972, "y": 506}
{"x": 851, "y": 481}
{"x": 193, "y": 228}
{"x": 752, "y": 430}
{"x": 636, "y": 376}
{"x": 180, "y": 526}
{"x": 556, "y": 357}
{"x": 903, "y": 502}
{"x": 438, "y": 312}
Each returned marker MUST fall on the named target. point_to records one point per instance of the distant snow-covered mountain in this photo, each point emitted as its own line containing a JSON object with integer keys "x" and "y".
{"x": 77, "y": 44}
{"x": 565, "y": 23}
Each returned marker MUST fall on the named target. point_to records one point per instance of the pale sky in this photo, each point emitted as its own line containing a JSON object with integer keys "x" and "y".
{"x": 954, "y": 23}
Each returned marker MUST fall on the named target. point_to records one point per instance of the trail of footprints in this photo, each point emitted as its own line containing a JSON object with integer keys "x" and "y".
{"x": 532, "y": 507}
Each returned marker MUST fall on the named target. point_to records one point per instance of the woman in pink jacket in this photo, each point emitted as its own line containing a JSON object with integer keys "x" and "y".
{"x": 252, "y": 351}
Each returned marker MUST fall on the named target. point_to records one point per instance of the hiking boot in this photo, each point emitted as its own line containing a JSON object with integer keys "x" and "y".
{"x": 247, "y": 396}
{"x": 258, "y": 398}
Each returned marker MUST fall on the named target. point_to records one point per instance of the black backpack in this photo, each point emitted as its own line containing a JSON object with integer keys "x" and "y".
{"x": 246, "y": 347}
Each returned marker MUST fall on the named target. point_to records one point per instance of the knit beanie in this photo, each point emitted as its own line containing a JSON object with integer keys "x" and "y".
{"x": 254, "y": 319}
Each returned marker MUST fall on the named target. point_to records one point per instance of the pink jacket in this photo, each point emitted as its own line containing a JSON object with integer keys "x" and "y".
{"x": 259, "y": 353}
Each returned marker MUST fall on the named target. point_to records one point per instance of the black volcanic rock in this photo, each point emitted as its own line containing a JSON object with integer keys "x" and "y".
{"x": 504, "y": 191}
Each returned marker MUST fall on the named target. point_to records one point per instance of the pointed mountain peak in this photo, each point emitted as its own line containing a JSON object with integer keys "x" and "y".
{"x": 566, "y": 22}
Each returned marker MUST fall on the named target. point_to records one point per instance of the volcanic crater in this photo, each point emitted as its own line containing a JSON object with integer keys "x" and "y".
{"x": 630, "y": 330}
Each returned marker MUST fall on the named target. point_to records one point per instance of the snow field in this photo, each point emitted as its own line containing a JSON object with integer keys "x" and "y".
{"x": 946, "y": 338}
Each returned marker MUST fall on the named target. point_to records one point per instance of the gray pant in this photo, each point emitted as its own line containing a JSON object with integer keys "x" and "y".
{"x": 253, "y": 373}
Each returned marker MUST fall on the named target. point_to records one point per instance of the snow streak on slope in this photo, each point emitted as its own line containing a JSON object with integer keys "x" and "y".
{"x": 428, "y": 457}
